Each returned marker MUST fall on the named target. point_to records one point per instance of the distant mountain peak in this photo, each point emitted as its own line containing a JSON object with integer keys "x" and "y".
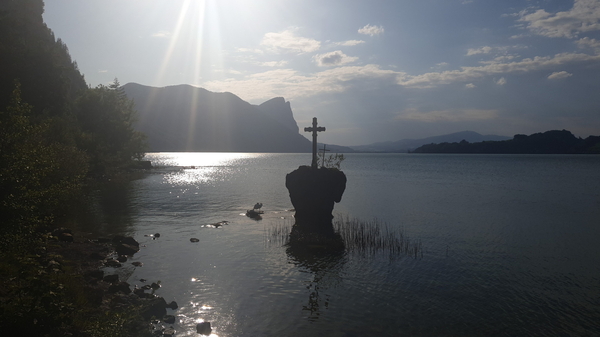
{"x": 281, "y": 111}
{"x": 188, "y": 118}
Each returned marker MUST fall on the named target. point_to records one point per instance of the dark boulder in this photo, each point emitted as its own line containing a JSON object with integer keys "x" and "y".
{"x": 173, "y": 305}
{"x": 111, "y": 278}
{"x": 156, "y": 307}
{"x": 65, "y": 237}
{"x": 121, "y": 287}
{"x": 126, "y": 249}
{"x": 97, "y": 256}
{"x": 96, "y": 274}
{"x": 112, "y": 263}
{"x": 313, "y": 192}
{"x": 169, "y": 319}
{"x": 203, "y": 328}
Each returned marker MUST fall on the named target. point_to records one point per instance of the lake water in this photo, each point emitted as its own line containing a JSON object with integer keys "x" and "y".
{"x": 510, "y": 245}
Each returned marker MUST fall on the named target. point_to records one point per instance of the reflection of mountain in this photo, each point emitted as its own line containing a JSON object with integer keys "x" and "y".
{"x": 187, "y": 118}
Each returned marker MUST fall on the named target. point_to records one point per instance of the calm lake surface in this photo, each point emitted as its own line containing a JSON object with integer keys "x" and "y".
{"x": 511, "y": 245}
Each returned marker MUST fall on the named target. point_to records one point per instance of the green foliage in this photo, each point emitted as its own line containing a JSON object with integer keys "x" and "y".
{"x": 37, "y": 174}
{"x": 106, "y": 118}
{"x": 332, "y": 161}
{"x": 46, "y": 152}
{"x": 30, "y": 52}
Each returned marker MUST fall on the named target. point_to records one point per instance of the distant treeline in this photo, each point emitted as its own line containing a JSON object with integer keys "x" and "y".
{"x": 549, "y": 142}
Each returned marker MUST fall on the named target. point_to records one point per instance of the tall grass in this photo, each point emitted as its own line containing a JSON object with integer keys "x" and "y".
{"x": 368, "y": 237}
{"x": 278, "y": 233}
{"x": 359, "y": 236}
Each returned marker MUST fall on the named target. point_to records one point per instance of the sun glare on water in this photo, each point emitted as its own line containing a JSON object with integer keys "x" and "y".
{"x": 197, "y": 167}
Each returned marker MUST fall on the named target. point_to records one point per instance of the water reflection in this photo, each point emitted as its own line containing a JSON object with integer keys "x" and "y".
{"x": 326, "y": 265}
{"x": 107, "y": 210}
{"x": 198, "y": 159}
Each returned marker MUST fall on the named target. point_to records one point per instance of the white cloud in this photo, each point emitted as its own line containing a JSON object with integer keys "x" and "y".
{"x": 274, "y": 63}
{"x": 583, "y": 17}
{"x": 288, "y": 41}
{"x": 161, "y": 34}
{"x": 470, "y": 85}
{"x": 350, "y": 43}
{"x": 590, "y": 43}
{"x": 291, "y": 84}
{"x": 439, "y": 66}
{"x": 371, "y": 30}
{"x": 500, "y": 59}
{"x": 334, "y": 58}
{"x": 557, "y": 75}
{"x": 466, "y": 74}
{"x": 482, "y": 50}
{"x": 250, "y": 50}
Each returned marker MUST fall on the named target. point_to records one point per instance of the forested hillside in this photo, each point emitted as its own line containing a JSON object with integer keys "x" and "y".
{"x": 56, "y": 131}
{"x": 57, "y": 135}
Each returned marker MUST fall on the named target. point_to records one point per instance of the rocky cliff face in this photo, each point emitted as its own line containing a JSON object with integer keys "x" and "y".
{"x": 187, "y": 118}
{"x": 280, "y": 110}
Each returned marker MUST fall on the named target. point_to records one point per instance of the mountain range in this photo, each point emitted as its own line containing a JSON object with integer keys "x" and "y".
{"x": 406, "y": 145}
{"x": 187, "y": 118}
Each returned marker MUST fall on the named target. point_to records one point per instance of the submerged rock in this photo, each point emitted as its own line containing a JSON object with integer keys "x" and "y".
{"x": 194, "y": 240}
{"x": 203, "y": 328}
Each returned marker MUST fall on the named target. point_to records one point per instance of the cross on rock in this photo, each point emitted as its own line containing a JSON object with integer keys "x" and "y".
{"x": 314, "y": 129}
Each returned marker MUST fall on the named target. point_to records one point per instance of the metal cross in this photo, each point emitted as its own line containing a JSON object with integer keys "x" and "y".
{"x": 314, "y": 129}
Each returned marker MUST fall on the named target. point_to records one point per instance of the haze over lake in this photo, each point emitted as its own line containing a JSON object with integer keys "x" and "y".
{"x": 510, "y": 245}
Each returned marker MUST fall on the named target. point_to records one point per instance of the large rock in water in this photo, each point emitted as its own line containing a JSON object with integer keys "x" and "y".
{"x": 314, "y": 192}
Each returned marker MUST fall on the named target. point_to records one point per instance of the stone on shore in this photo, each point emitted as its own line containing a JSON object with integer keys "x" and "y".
{"x": 126, "y": 249}
{"x": 154, "y": 308}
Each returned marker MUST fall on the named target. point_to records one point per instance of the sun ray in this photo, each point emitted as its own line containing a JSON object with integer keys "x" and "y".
{"x": 174, "y": 40}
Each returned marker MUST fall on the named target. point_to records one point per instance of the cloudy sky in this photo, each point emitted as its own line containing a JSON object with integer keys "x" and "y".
{"x": 369, "y": 70}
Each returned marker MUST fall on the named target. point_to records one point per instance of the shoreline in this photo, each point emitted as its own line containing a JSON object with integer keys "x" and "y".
{"x": 93, "y": 302}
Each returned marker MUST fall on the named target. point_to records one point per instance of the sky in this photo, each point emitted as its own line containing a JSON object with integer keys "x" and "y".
{"x": 370, "y": 71}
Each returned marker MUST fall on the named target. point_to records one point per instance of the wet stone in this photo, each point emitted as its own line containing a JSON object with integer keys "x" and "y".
{"x": 169, "y": 319}
{"x": 203, "y": 328}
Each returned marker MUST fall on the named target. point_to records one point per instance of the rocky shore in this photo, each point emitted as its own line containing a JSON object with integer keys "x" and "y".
{"x": 141, "y": 311}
